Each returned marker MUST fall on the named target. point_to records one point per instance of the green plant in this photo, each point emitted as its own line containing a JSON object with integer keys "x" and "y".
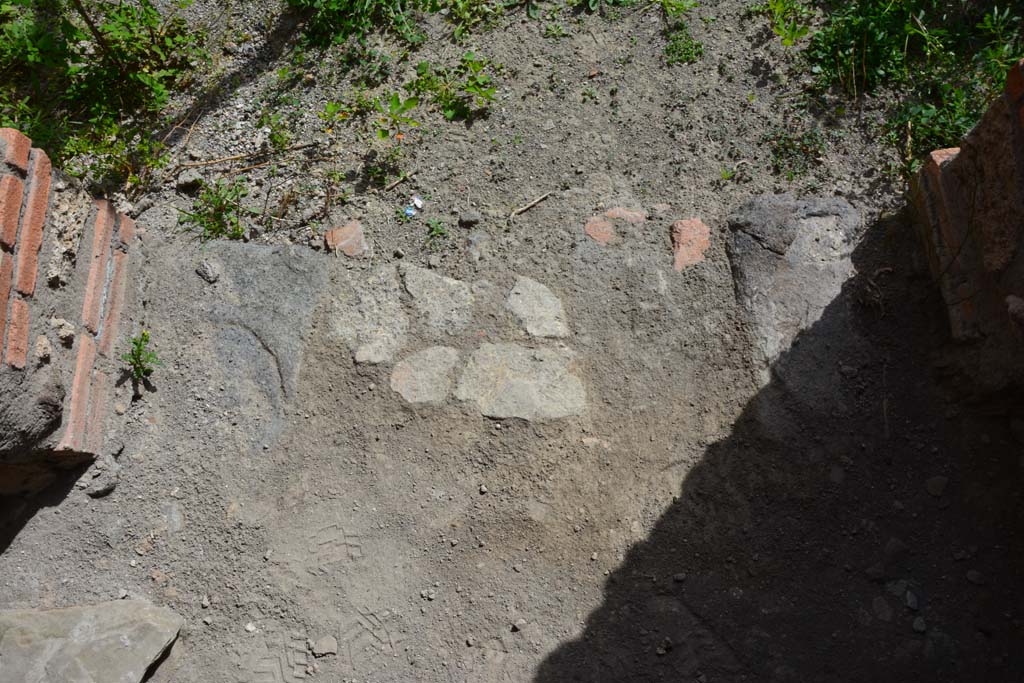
{"x": 600, "y": 5}
{"x": 140, "y": 359}
{"x": 464, "y": 91}
{"x": 554, "y": 30}
{"x": 356, "y": 105}
{"x": 394, "y": 119}
{"x": 727, "y": 174}
{"x": 944, "y": 60}
{"x": 280, "y": 136}
{"x": 682, "y": 48}
{"x": 337, "y": 20}
{"x": 217, "y": 212}
{"x": 467, "y": 14}
{"x": 436, "y": 230}
{"x": 794, "y": 148}
{"x": 87, "y": 80}
{"x": 677, "y": 8}
{"x": 788, "y": 17}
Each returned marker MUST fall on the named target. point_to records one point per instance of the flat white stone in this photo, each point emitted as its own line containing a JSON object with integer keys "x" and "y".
{"x": 370, "y": 319}
{"x": 442, "y": 302}
{"x": 425, "y": 376}
{"x": 539, "y": 310}
{"x": 508, "y": 380}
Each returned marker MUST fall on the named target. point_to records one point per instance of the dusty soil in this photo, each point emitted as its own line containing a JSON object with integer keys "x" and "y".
{"x": 687, "y": 523}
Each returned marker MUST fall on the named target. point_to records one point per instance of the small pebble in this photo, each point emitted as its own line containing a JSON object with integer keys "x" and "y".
{"x": 250, "y": 627}
{"x": 483, "y": 489}
{"x": 919, "y": 625}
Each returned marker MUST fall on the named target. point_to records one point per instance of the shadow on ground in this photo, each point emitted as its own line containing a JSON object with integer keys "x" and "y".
{"x": 858, "y": 523}
{"x": 17, "y": 511}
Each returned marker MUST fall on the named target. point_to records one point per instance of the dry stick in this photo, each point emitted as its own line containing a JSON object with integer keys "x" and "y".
{"x": 250, "y": 168}
{"x": 524, "y": 209}
{"x": 398, "y": 182}
{"x": 239, "y": 157}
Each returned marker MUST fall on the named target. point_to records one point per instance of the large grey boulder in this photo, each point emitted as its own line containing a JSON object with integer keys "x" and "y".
{"x": 112, "y": 642}
{"x": 790, "y": 258}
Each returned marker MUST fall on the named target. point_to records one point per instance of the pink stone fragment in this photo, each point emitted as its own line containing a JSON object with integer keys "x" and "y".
{"x": 690, "y": 239}
{"x": 348, "y": 238}
{"x": 600, "y": 230}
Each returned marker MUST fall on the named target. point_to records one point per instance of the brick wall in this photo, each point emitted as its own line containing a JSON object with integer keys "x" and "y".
{"x": 60, "y": 336}
{"x": 969, "y": 206}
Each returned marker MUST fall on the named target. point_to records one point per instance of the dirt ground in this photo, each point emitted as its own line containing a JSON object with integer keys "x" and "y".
{"x": 677, "y": 520}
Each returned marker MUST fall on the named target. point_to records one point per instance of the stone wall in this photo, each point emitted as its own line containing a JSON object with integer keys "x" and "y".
{"x": 969, "y": 207}
{"x": 64, "y": 286}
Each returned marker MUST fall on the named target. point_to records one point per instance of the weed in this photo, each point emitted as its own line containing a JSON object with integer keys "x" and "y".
{"x": 462, "y": 92}
{"x": 681, "y": 47}
{"x": 401, "y": 216}
{"x": 600, "y": 5}
{"x": 280, "y": 136}
{"x": 87, "y": 80}
{"x": 468, "y": 14}
{"x": 337, "y": 20}
{"x": 677, "y": 8}
{"x": 789, "y": 19}
{"x": 794, "y": 148}
{"x": 356, "y": 105}
{"x": 436, "y": 230}
{"x": 394, "y": 119}
{"x": 140, "y": 359}
{"x": 589, "y": 94}
{"x": 554, "y": 31}
{"x": 217, "y": 212}
{"x": 727, "y": 174}
{"x": 945, "y": 60}
{"x": 368, "y": 67}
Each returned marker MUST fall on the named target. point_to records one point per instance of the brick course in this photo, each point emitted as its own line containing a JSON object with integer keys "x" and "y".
{"x": 11, "y": 190}
{"x": 16, "y": 354}
{"x": 93, "y": 300}
{"x": 102, "y": 279}
{"x": 33, "y": 222}
{"x": 16, "y": 148}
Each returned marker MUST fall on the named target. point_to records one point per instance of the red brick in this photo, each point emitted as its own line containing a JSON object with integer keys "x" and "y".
{"x": 98, "y": 265}
{"x": 32, "y": 223}
{"x": 621, "y": 213}
{"x": 78, "y": 408}
{"x": 600, "y": 230}
{"x": 349, "y": 238}
{"x": 99, "y": 396}
{"x": 125, "y": 230}
{"x": 690, "y": 239}
{"x": 6, "y": 269}
{"x": 17, "y": 334}
{"x": 11, "y": 190}
{"x": 16, "y": 148}
{"x": 115, "y": 302}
